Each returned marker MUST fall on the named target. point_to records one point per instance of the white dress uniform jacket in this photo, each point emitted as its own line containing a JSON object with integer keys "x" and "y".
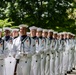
{"x": 3, "y": 54}
{"x": 24, "y": 51}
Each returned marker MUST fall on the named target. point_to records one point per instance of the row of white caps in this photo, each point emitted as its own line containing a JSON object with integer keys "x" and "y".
{"x": 7, "y": 28}
{"x": 36, "y": 28}
{"x": 50, "y": 30}
{"x": 15, "y": 29}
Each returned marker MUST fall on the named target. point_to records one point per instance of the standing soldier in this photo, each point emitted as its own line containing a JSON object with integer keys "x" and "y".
{"x": 23, "y": 50}
{"x": 61, "y": 48}
{"x": 9, "y": 63}
{"x": 46, "y": 50}
{"x": 74, "y": 63}
{"x": 70, "y": 52}
{"x": 3, "y": 54}
{"x": 50, "y": 37}
{"x": 73, "y": 49}
{"x": 52, "y": 55}
{"x": 57, "y": 54}
{"x": 39, "y": 50}
{"x": 34, "y": 68}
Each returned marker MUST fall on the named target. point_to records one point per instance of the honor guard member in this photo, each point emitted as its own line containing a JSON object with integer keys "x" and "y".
{"x": 50, "y": 37}
{"x": 34, "y": 68}
{"x": 61, "y": 49}
{"x": 15, "y": 33}
{"x": 53, "y": 53}
{"x": 70, "y": 53}
{"x": 23, "y": 50}
{"x": 65, "y": 54}
{"x": 71, "y": 56}
{"x": 74, "y": 51}
{"x": 40, "y": 51}
{"x": 47, "y": 51}
{"x": 9, "y": 63}
{"x": 3, "y": 54}
{"x": 57, "y": 54}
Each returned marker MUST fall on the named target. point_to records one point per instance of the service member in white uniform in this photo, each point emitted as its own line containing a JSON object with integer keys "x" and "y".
{"x": 3, "y": 54}
{"x": 74, "y": 63}
{"x": 61, "y": 49}
{"x": 47, "y": 51}
{"x": 9, "y": 63}
{"x": 52, "y": 56}
{"x": 57, "y": 54}
{"x": 34, "y": 68}
{"x": 23, "y": 50}
{"x": 73, "y": 50}
{"x": 40, "y": 51}
{"x": 70, "y": 52}
{"x": 50, "y": 37}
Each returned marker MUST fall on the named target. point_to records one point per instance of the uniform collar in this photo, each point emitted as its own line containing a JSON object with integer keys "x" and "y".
{"x": 50, "y": 38}
{"x": 7, "y": 38}
{"x": 23, "y": 37}
{"x": 40, "y": 37}
{"x": 15, "y": 37}
{"x": 34, "y": 37}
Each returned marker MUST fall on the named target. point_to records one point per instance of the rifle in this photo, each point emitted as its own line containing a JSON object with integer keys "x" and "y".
{"x": 17, "y": 61}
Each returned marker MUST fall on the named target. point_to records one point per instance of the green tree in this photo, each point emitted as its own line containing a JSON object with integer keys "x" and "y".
{"x": 42, "y": 13}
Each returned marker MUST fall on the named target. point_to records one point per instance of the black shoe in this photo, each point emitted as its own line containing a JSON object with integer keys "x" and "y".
{"x": 71, "y": 71}
{"x": 65, "y": 74}
{"x": 68, "y": 72}
{"x": 73, "y": 68}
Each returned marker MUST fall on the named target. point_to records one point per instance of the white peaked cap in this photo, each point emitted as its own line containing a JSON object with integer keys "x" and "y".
{"x": 0, "y": 30}
{"x": 39, "y": 29}
{"x": 6, "y": 28}
{"x": 69, "y": 33}
{"x": 73, "y": 34}
{"x": 45, "y": 30}
{"x": 60, "y": 33}
{"x": 23, "y": 25}
{"x": 64, "y": 32}
{"x": 28, "y": 33}
{"x": 50, "y": 30}
{"x": 15, "y": 30}
{"x": 55, "y": 32}
{"x": 33, "y": 28}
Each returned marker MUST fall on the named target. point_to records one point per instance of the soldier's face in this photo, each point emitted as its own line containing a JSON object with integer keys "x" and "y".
{"x": 39, "y": 33}
{"x": 65, "y": 35}
{"x": 33, "y": 32}
{"x": 45, "y": 34}
{"x": 7, "y": 32}
{"x": 55, "y": 35}
{"x": 50, "y": 34}
{"x": 62, "y": 36}
{"x": 23, "y": 30}
{"x": 58, "y": 36}
{"x": 15, "y": 33}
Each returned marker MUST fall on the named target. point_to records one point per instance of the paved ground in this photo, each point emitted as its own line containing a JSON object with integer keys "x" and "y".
{"x": 73, "y": 73}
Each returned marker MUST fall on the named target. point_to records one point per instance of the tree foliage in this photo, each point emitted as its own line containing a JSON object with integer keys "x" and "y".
{"x": 42, "y": 13}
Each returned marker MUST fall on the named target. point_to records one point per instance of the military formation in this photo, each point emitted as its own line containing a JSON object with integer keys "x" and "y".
{"x": 38, "y": 52}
